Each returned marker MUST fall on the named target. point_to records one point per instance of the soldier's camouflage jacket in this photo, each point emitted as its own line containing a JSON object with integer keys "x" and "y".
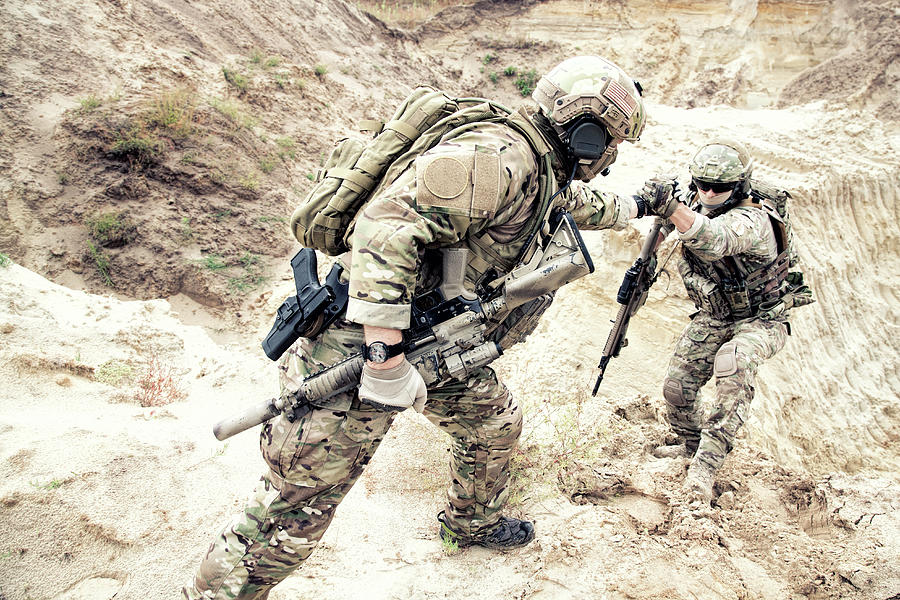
{"x": 731, "y": 262}
{"x": 477, "y": 190}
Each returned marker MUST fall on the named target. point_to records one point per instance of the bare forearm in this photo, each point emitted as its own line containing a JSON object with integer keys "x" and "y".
{"x": 683, "y": 218}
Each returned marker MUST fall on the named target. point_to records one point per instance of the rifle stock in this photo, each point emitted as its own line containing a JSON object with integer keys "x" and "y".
{"x": 631, "y": 296}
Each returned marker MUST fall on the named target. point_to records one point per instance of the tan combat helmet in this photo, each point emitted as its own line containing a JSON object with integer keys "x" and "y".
{"x": 591, "y": 89}
{"x": 723, "y": 164}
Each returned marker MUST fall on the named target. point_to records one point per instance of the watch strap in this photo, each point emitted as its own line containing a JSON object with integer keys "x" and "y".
{"x": 392, "y": 350}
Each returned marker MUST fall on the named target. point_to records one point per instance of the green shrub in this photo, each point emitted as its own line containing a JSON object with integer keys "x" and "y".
{"x": 102, "y": 262}
{"x": 526, "y": 82}
{"x": 235, "y": 79}
{"x": 111, "y": 229}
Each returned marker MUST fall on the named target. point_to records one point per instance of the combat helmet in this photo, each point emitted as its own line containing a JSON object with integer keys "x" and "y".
{"x": 722, "y": 165}
{"x": 589, "y": 101}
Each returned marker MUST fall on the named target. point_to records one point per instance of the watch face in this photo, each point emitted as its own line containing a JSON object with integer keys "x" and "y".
{"x": 377, "y": 352}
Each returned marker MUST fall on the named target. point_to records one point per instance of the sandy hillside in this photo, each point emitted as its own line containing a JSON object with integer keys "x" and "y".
{"x": 150, "y": 152}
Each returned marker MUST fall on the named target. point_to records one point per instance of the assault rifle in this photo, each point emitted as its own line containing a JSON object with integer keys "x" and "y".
{"x": 632, "y": 295}
{"x": 447, "y": 335}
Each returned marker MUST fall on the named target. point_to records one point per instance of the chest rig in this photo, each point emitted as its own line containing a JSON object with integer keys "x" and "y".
{"x": 738, "y": 287}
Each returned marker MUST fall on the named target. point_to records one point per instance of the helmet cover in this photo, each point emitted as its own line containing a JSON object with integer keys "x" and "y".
{"x": 592, "y": 86}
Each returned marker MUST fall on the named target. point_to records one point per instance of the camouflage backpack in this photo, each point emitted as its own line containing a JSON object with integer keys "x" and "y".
{"x": 357, "y": 169}
{"x": 774, "y": 202}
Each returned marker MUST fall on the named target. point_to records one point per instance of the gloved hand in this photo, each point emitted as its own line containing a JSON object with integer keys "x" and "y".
{"x": 396, "y": 388}
{"x": 658, "y": 197}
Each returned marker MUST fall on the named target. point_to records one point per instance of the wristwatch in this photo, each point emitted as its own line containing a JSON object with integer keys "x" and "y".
{"x": 379, "y": 352}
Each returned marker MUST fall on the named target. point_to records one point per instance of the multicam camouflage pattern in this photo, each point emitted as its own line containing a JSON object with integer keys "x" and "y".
{"x": 744, "y": 231}
{"x": 394, "y": 228}
{"x": 732, "y": 351}
{"x": 713, "y": 346}
{"x": 721, "y": 161}
{"x": 314, "y": 462}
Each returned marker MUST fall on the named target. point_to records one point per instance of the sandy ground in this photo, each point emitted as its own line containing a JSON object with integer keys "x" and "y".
{"x": 104, "y": 498}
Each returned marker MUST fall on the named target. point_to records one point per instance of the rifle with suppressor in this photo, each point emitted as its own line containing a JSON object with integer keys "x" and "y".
{"x": 632, "y": 295}
{"x": 447, "y": 335}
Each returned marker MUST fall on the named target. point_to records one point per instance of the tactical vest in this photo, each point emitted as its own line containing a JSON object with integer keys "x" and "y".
{"x": 740, "y": 290}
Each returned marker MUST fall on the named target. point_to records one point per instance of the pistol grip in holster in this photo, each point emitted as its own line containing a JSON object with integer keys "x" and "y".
{"x": 312, "y": 310}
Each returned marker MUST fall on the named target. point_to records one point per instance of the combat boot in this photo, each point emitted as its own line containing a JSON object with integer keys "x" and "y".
{"x": 699, "y": 481}
{"x": 507, "y": 534}
{"x": 671, "y": 451}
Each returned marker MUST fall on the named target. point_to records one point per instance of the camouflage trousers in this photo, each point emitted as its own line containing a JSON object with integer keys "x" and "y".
{"x": 732, "y": 352}
{"x": 313, "y": 463}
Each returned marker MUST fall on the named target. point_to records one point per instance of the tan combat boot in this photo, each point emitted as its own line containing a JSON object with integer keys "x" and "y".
{"x": 671, "y": 451}
{"x": 699, "y": 481}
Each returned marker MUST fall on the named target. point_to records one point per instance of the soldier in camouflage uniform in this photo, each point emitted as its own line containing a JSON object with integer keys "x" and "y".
{"x": 735, "y": 262}
{"x": 480, "y": 188}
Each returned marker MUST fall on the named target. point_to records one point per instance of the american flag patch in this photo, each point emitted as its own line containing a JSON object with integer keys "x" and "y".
{"x": 620, "y": 97}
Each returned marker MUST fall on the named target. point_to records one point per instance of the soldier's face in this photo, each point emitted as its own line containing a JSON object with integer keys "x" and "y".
{"x": 711, "y": 199}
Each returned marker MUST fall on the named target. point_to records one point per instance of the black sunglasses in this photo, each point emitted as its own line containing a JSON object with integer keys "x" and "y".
{"x": 717, "y": 187}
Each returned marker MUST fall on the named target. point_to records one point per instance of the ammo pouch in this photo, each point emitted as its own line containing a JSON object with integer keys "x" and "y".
{"x": 707, "y": 296}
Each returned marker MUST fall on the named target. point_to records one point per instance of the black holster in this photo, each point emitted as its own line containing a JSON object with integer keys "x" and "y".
{"x": 312, "y": 310}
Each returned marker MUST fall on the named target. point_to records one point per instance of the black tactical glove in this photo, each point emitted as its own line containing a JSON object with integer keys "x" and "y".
{"x": 658, "y": 197}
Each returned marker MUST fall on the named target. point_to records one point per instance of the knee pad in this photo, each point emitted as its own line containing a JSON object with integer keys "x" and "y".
{"x": 673, "y": 392}
{"x": 726, "y": 360}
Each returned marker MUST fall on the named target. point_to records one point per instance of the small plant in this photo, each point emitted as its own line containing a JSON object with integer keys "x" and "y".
{"x": 252, "y": 276}
{"x": 101, "y": 261}
{"x": 114, "y": 372}
{"x": 449, "y": 547}
{"x": 213, "y": 262}
{"x": 50, "y": 485}
{"x": 234, "y": 78}
{"x": 286, "y": 145}
{"x": 281, "y": 81}
{"x": 172, "y": 111}
{"x": 186, "y": 231}
{"x": 509, "y": 71}
{"x": 111, "y": 229}
{"x": 136, "y": 145}
{"x": 158, "y": 384}
{"x": 222, "y": 214}
{"x": 267, "y": 164}
{"x": 310, "y": 176}
{"x": 526, "y": 82}
{"x": 62, "y": 177}
{"x": 5, "y": 260}
{"x": 271, "y": 219}
{"x": 320, "y": 70}
{"x": 272, "y": 61}
{"x": 493, "y": 77}
{"x": 233, "y": 113}
{"x": 249, "y": 182}
{"x": 489, "y": 58}
{"x": 256, "y": 56}
{"x": 90, "y": 103}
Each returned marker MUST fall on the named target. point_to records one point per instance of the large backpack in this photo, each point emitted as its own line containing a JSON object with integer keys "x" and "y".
{"x": 357, "y": 169}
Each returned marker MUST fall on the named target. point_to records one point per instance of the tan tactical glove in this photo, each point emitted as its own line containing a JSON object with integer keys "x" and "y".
{"x": 658, "y": 196}
{"x": 396, "y": 388}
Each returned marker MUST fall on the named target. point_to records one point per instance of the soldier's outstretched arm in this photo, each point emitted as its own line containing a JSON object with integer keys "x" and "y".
{"x": 595, "y": 209}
